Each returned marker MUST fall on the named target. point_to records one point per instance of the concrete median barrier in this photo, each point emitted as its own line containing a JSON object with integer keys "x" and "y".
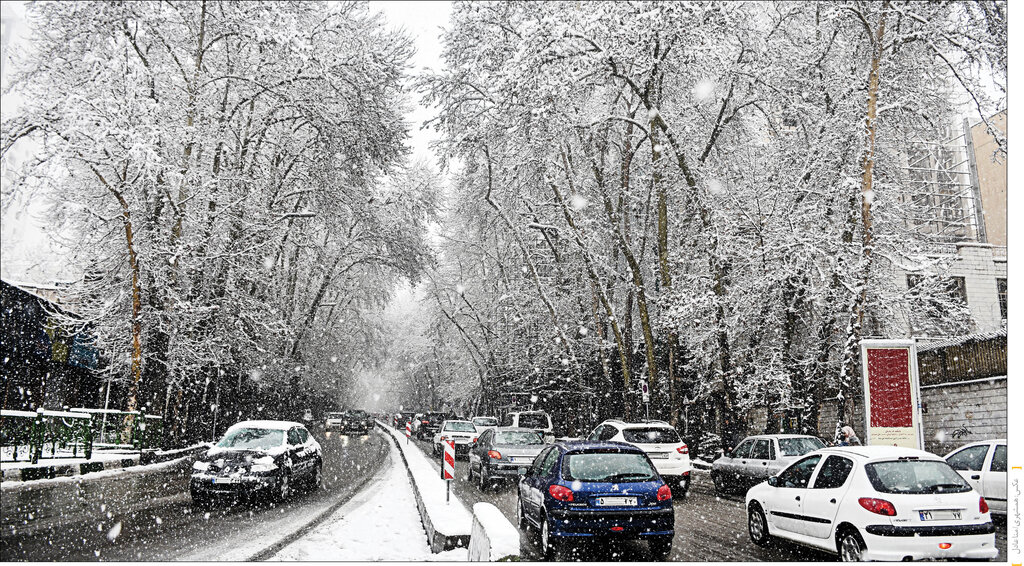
{"x": 493, "y": 537}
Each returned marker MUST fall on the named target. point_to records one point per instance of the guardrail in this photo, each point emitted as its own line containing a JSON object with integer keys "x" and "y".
{"x": 146, "y": 431}
{"x": 63, "y": 432}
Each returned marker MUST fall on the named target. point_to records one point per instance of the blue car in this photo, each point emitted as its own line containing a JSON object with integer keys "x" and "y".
{"x": 596, "y": 490}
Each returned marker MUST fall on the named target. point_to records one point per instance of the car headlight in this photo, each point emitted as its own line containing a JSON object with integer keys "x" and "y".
{"x": 200, "y": 466}
{"x": 263, "y": 465}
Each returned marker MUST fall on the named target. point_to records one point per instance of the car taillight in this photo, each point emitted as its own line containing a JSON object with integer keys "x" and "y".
{"x": 982, "y": 505}
{"x": 683, "y": 449}
{"x": 664, "y": 493}
{"x": 560, "y": 492}
{"x": 424, "y": 422}
{"x": 474, "y": 439}
{"x": 877, "y": 506}
{"x": 494, "y": 454}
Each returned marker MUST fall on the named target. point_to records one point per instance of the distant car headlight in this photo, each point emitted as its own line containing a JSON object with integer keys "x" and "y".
{"x": 200, "y": 466}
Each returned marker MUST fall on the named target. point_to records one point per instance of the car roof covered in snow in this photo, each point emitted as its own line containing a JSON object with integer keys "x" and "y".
{"x": 584, "y": 445}
{"x": 271, "y": 425}
{"x": 872, "y": 453}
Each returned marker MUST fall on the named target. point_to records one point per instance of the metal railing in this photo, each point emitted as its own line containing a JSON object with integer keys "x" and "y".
{"x": 53, "y": 434}
{"x": 125, "y": 429}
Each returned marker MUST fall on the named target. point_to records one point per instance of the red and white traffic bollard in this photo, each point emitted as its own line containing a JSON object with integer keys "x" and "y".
{"x": 408, "y": 432}
{"x": 448, "y": 467}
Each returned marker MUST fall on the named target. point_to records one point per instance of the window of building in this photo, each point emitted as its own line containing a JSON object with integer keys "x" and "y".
{"x": 1001, "y": 289}
{"x": 789, "y": 124}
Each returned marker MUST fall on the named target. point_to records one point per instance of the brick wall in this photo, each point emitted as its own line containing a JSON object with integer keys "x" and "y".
{"x": 961, "y": 413}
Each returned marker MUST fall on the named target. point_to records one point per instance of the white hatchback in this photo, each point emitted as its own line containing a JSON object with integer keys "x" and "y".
{"x": 873, "y": 503}
{"x": 660, "y": 441}
{"x": 983, "y": 465}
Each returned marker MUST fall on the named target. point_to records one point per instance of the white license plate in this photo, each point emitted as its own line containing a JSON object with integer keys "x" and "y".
{"x": 225, "y": 480}
{"x": 658, "y": 455}
{"x": 616, "y": 502}
{"x": 940, "y": 515}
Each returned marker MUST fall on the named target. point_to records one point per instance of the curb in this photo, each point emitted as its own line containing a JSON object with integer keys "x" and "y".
{"x": 439, "y": 542}
{"x": 66, "y": 470}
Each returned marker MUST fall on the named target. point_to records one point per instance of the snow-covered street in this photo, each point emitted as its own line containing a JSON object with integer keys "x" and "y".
{"x": 380, "y": 523}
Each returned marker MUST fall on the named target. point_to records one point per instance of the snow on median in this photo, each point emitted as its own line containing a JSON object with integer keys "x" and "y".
{"x": 380, "y": 523}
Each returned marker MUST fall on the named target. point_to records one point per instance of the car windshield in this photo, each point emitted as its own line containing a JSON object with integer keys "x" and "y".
{"x": 485, "y": 421}
{"x": 533, "y": 420}
{"x": 335, "y": 415}
{"x": 460, "y": 426}
{"x": 651, "y": 435}
{"x": 607, "y": 467}
{"x": 252, "y": 439}
{"x": 799, "y": 446}
{"x": 518, "y": 437}
{"x": 915, "y": 476}
{"x": 358, "y": 414}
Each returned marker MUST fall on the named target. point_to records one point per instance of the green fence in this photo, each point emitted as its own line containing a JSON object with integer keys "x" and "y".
{"x": 125, "y": 429}
{"x": 53, "y": 434}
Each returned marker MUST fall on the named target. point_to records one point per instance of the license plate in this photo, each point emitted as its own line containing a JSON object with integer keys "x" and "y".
{"x": 616, "y": 502}
{"x": 225, "y": 480}
{"x": 658, "y": 455}
{"x": 940, "y": 515}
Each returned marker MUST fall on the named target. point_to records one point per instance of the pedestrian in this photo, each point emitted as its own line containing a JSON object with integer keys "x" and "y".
{"x": 849, "y": 437}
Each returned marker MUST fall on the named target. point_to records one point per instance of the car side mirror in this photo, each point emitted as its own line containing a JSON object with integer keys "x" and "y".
{"x": 522, "y": 471}
{"x": 773, "y": 481}
{"x": 727, "y": 453}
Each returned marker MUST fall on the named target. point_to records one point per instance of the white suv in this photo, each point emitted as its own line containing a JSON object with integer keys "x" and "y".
{"x": 661, "y": 442}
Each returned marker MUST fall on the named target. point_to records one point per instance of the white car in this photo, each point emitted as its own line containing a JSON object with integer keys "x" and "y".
{"x": 462, "y": 432}
{"x": 535, "y": 420}
{"x": 484, "y": 423}
{"x": 661, "y": 443}
{"x": 983, "y": 465}
{"x": 873, "y": 503}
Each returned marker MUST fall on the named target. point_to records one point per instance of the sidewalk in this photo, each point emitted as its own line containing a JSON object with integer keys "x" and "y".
{"x": 50, "y": 468}
{"x": 381, "y": 523}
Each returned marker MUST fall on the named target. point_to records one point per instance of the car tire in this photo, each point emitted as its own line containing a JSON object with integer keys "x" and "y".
{"x": 485, "y": 478}
{"x": 850, "y": 545}
{"x": 661, "y": 547}
{"x": 548, "y": 542}
{"x": 524, "y": 523}
{"x": 719, "y": 486}
{"x": 317, "y": 477}
{"x": 283, "y": 488}
{"x": 757, "y": 525}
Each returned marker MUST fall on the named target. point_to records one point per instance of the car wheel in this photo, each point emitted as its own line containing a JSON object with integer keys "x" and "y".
{"x": 548, "y": 544}
{"x": 719, "y": 484}
{"x": 524, "y": 525}
{"x": 469, "y": 472}
{"x": 485, "y": 478}
{"x": 317, "y": 477}
{"x": 283, "y": 489}
{"x": 661, "y": 547}
{"x": 851, "y": 546}
{"x": 757, "y": 525}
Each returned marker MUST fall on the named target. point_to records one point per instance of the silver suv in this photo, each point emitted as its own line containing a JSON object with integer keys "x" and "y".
{"x": 758, "y": 458}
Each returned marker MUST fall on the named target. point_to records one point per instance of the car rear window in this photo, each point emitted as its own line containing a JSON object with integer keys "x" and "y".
{"x": 651, "y": 435}
{"x": 252, "y": 438}
{"x": 334, "y": 415}
{"x": 607, "y": 467}
{"x": 533, "y": 421}
{"x": 518, "y": 437}
{"x": 799, "y": 446}
{"x": 485, "y": 421}
{"x": 359, "y": 414}
{"x": 915, "y": 476}
{"x": 460, "y": 426}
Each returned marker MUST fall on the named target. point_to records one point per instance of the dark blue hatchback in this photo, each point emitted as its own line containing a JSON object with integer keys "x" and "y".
{"x": 576, "y": 490}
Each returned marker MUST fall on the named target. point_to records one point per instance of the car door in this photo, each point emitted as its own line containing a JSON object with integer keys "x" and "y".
{"x": 969, "y": 463}
{"x": 294, "y": 460}
{"x": 756, "y": 469}
{"x": 994, "y": 479}
{"x": 785, "y": 504}
{"x": 821, "y": 502}
{"x": 529, "y": 487}
{"x": 479, "y": 450}
{"x": 736, "y": 464}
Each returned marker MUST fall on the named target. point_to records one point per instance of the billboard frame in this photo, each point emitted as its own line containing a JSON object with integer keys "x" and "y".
{"x": 915, "y": 383}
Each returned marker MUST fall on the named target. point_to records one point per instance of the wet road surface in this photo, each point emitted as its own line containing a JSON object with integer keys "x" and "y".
{"x": 709, "y": 527}
{"x": 75, "y": 519}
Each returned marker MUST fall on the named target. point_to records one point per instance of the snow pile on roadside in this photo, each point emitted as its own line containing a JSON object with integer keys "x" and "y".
{"x": 381, "y": 523}
{"x": 28, "y": 484}
{"x": 449, "y": 517}
{"x": 493, "y": 537}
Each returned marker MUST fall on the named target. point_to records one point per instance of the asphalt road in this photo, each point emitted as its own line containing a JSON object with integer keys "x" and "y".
{"x": 709, "y": 528}
{"x": 73, "y": 520}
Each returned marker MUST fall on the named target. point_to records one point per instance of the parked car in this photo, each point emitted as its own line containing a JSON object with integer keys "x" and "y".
{"x": 333, "y": 421}
{"x": 462, "y": 432}
{"x": 536, "y": 420}
{"x": 483, "y": 423}
{"x": 660, "y": 441}
{"x": 873, "y": 503}
{"x": 605, "y": 490}
{"x": 500, "y": 452}
{"x": 983, "y": 465}
{"x": 427, "y": 425}
{"x": 255, "y": 459}
{"x": 403, "y": 418}
{"x": 759, "y": 457}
